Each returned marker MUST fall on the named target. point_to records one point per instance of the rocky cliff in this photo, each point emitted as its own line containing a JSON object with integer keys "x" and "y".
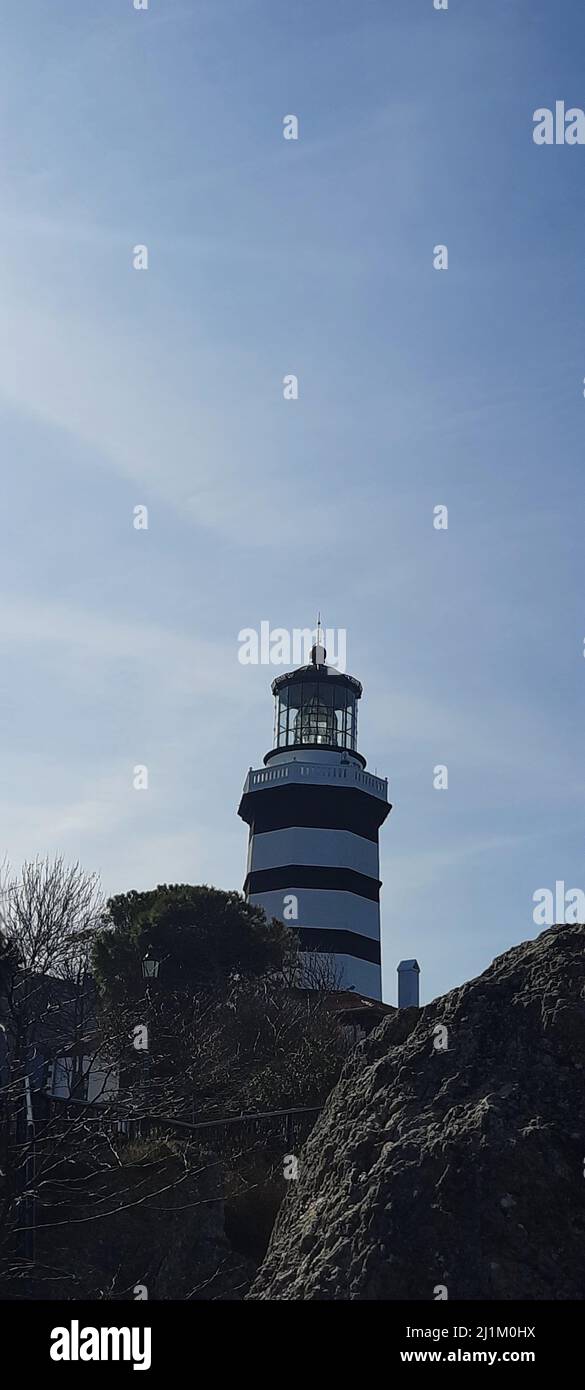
{"x": 449, "y": 1159}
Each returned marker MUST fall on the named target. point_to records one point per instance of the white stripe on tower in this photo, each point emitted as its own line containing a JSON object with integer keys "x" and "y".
{"x": 309, "y": 845}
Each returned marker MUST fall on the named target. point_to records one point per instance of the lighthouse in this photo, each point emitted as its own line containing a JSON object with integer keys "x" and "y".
{"x": 314, "y": 815}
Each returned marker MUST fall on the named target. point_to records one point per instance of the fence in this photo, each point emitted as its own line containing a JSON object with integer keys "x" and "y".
{"x": 293, "y": 1125}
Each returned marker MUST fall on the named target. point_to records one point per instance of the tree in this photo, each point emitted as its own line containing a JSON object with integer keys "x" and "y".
{"x": 200, "y": 934}
{"x": 231, "y": 1031}
{"x": 9, "y": 962}
{"x": 49, "y": 915}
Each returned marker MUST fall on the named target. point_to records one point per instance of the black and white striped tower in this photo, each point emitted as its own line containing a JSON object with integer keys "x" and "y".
{"x": 314, "y": 815}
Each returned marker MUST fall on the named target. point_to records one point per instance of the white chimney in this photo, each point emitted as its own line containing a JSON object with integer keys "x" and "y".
{"x": 408, "y": 983}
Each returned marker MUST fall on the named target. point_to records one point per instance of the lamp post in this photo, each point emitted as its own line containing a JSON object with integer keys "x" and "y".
{"x": 150, "y": 965}
{"x": 150, "y": 971}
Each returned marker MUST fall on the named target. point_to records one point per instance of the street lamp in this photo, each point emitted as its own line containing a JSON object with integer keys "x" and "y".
{"x": 150, "y": 965}
{"x": 150, "y": 969}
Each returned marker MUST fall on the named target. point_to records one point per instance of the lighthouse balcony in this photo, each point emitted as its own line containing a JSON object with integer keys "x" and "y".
{"x": 339, "y": 774}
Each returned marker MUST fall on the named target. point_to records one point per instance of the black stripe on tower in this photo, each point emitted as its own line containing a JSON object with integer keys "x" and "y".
{"x": 322, "y": 808}
{"x": 291, "y": 876}
{"x": 340, "y": 943}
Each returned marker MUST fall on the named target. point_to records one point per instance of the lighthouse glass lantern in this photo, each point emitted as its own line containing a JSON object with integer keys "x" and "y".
{"x": 316, "y": 706}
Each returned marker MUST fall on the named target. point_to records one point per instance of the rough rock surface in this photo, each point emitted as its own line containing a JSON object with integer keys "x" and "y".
{"x": 462, "y": 1167}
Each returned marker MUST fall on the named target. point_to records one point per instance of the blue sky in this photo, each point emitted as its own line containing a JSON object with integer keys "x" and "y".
{"x": 416, "y": 388}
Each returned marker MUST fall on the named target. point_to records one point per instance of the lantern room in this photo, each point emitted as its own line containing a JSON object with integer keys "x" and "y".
{"x": 316, "y": 707}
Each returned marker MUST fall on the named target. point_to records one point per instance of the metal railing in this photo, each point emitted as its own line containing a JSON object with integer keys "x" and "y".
{"x": 294, "y": 1124}
{"x": 318, "y": 772}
